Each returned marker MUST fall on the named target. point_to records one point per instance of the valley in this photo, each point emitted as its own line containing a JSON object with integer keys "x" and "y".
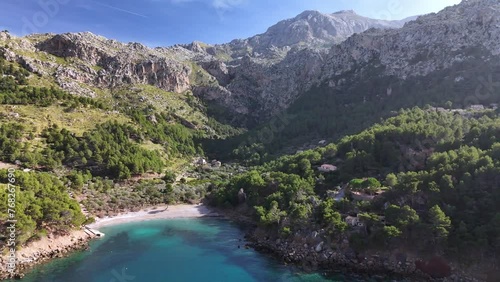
{"x": 338, "y": 141}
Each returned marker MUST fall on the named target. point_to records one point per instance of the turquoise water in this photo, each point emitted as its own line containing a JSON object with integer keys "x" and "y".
{"x": 170, "y": 250}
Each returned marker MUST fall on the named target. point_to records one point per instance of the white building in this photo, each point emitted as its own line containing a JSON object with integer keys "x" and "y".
{"x": 327, "y": 168}
{"x": 476, "y": 107}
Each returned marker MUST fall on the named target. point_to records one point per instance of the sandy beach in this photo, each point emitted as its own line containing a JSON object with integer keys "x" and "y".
{"x": 160, "y": 212}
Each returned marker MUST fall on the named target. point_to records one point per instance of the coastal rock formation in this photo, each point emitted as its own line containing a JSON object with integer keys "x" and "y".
{"x": 340, "y": 256}
{"x": 436, "y": 267}
{"x": 44, "y": 250}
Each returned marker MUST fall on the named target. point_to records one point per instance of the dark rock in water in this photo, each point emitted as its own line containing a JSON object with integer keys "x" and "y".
{"x": 437, "y": 267}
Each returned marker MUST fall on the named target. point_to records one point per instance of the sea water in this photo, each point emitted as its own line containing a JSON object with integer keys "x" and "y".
{"x": 176, "y": 250}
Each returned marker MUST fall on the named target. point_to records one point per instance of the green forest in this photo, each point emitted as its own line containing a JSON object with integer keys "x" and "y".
{"x": 428, "y": 177}
{"x": 437, "y": 171}
{"x": 101, "y": 161}
{"x": 42, "y": 205}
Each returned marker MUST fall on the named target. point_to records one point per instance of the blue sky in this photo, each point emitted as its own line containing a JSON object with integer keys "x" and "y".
{"x": 168, "y": 22}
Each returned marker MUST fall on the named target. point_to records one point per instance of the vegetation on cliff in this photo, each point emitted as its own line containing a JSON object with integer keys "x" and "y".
{"x": 96, "y": 150}
{"x": 440, "y": 173}
{"x": 42, "y": 206}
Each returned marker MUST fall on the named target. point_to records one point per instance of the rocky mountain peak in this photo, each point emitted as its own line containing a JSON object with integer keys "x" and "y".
{"x": 312, "y": 28}
{"x": 432, "y": 42}
{"x": 308, "y": 14}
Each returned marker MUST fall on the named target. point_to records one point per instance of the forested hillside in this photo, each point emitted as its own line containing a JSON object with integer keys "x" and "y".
{"x": 430, "y": 179}
{"x": 42, "y": 206}
{"x": 374, "y": 140}
{"x": 108, "y": 152}
{"x": 331, "y": 113}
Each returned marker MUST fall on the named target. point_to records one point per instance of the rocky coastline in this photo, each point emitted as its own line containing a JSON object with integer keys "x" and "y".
{"x": 310, "y": 255}
{"x": 319, "y": 255}
{"x": 44, "y": 250}
{"x": 308, "y": 250}
{"x": 312, "y": 251}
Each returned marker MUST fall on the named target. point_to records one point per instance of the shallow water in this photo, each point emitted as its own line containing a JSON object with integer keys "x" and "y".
{"x": 203, "y": 249}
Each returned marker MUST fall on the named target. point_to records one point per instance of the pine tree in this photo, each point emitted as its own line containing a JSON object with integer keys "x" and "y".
{"x": 440, "y": 223}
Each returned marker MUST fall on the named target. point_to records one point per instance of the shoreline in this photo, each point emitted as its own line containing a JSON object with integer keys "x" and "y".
{"x": 50, "y": 247}
{"x": 310, "y": 252}
{"x": 308, "y": 259}
{"x": 155, "y": 213}
{"x": 43, "y": 250}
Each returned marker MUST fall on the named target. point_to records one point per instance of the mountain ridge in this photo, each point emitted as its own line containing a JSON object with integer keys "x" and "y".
{"x": 245, "y": 82}
{"x": 238, "y": 76}
{"x": 316, "y": 28}
{"x": 406, "y": 120}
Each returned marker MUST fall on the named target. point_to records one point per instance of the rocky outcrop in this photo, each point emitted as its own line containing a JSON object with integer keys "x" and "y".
{"x": 43, "y": 250}
{"x": 219, "y": 70}
{"x": 108, "y": 63}
{"x": 242, "y": 196}
{"x": 314, "y": 251}
{"x": 84, "y": 46}
{"x": 430, "y": 43}
{"x": 259, "y": 91}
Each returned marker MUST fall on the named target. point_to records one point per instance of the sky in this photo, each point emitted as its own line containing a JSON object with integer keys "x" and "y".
{"x": 168, "y": 22}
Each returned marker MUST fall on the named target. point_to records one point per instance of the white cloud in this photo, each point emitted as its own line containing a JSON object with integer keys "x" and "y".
{"x": 217, "y": 4}
{"x": 227, "y": 4}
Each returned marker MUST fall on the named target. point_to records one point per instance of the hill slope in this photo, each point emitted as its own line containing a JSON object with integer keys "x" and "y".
{"x": 446, "y": 59}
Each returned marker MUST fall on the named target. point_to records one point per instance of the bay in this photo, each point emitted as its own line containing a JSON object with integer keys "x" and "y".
{"x": 176, "y": 250}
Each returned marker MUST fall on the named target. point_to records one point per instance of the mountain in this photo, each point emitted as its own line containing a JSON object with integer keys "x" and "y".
{"x": 430, "y": 43}
{"x": 341, "y": 61}
{"x": 313, "y": 29}
{"x": 239, "y": 79}
{"x": 459, "y": 44}
{"x": 269, "y": 70}
{"x": 94, "y": 127}
{"x": 449, "y": 58}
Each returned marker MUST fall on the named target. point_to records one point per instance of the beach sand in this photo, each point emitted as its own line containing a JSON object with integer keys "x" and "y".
{"x": 160, "y": 212}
